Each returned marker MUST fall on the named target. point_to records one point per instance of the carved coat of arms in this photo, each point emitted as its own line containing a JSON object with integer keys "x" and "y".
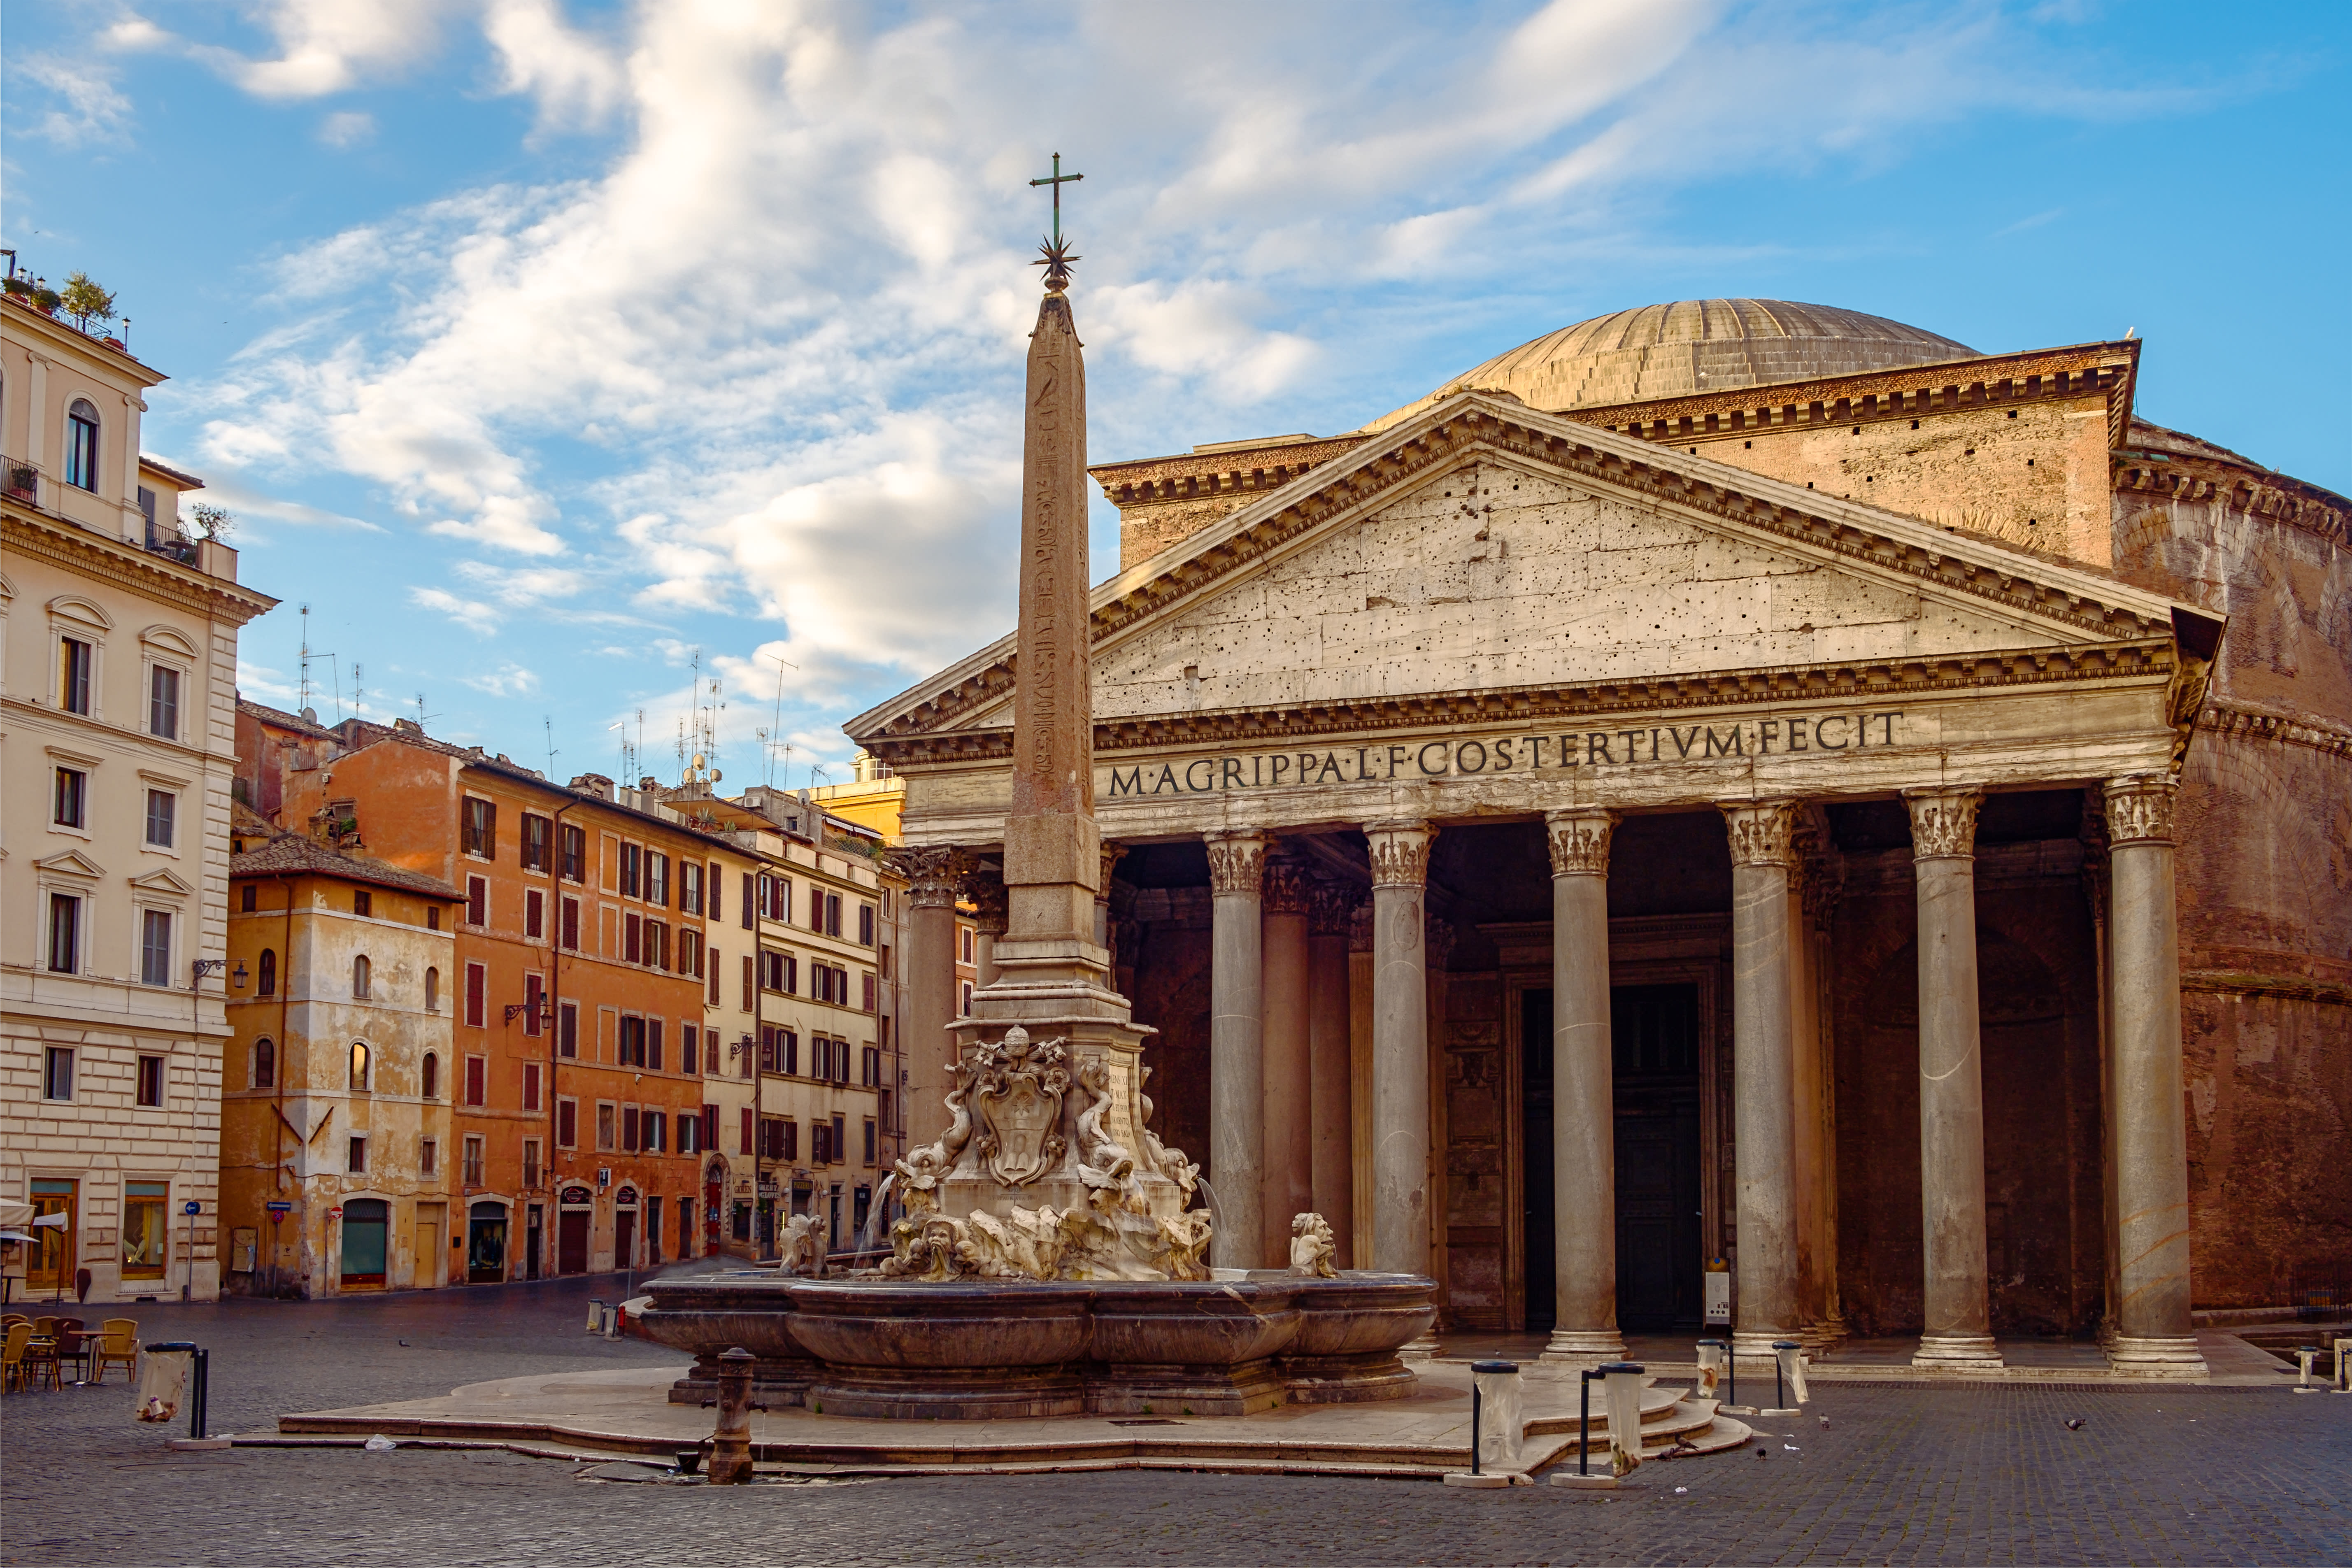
{"x": 1018, "y": 1097}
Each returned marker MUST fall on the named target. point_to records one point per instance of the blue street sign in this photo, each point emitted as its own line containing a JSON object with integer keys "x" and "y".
{"x": 192, "y": 1206}
{"x": 281, "y": 1207}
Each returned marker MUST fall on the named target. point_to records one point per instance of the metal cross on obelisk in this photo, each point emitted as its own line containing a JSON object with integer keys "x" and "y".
{"x": 1057, "y": 257}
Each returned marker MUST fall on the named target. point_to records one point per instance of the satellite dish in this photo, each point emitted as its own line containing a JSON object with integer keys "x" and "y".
{"x": 716, "y": 775}
{"x": 697, "y": 759}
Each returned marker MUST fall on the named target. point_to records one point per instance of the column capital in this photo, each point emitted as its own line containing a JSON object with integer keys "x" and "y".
{"x": 934, "y": 876}
{"x": 1580, "y": 840}
{"x": 1236, "y": 859}
{"x": 984, "y": 890}
{"x": 1113, "y": 853}
{"x": 1762, "y": 831}
{"x": 1330, "y": 907}
{"x": 1944, "y": 822}
{"x": 1400, "y": 849}
{"x": 1285, "y": 887}
{"x": 2139, "y": 809}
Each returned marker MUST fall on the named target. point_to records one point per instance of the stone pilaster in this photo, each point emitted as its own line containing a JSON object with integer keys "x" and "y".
{"x": 1958, "y": 1315}
{"x": 1400, "y": 1164}
{"x": 1237, "y": 1047}
{"x": 1583, "y": 1110}
{"x": 2154, "y": 1333}
{"x": 1762, "y": 1093}
{"x": 1288, "y": 1096}
{"x": 934, "y": 878}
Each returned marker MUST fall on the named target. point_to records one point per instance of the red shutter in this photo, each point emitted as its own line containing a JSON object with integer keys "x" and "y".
{"x": 474, "y": 1084}
{"x": 747, "y": 1129}
{"x": 530, "y": 1086}
{"x": 566, "y": 1125}
{"x": 474, "y": 982}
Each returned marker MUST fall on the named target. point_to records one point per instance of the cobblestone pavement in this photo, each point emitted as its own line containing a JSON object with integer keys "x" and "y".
{"x": 1901, "y": 1475}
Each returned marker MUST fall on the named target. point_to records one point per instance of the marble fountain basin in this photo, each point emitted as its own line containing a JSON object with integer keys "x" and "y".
{"x": 990, "y": 1350}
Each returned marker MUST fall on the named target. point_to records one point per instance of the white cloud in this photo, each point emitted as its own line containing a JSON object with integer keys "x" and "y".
{"x": 472, "y": 613}
{"x": 86, "y": 106}
{"x": 347, "y": 128}
{"x": 329, "y": 46}
{"x": 507, "y": 680}
{"x": 524, "y": 586}
{"x": 577, "y": 81}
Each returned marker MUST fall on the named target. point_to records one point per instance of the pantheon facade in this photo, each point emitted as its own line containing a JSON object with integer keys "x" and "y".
{"x": 1732, "y": 797}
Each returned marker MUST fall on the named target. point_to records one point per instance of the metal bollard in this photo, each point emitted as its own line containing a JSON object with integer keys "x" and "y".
{"x": 731, "y": 1444}
{"x": 1624, "y": 1391}
{"x": 1781, "y": 1351}
{"x": 2342, "y": 1367}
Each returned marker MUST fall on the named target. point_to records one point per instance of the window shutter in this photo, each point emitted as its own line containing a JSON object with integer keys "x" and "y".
{"x": 747, "y": 1128}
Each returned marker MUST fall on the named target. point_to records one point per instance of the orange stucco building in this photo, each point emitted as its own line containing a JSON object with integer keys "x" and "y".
{"x": 578, "y": 988}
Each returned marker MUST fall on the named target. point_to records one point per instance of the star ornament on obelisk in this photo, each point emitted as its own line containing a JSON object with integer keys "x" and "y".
{"x": 1056, "y": 250}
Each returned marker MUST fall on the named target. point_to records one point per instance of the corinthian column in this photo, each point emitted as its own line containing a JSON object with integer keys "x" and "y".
{"x": 1286, "y": 1108}
{"x": 985, "y": 890}
{"x": 1958, "y": 1319}
{"x": 1400, "y": 1175}
{"x": 1763, "y": 1117}
{"x": 1330, "y": 1080}
{"x": 1236, "y": 1048}
{"x": 933, "y": 878}
{"x": 2154, "y": 1334}
{"x": 1583, "y": 1108}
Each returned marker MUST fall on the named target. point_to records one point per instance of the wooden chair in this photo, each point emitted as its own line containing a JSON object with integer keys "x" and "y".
{"x": 12, "y": 1353}
{"x": 45, "y": 1328}
{"x": 118, "y": 1339}
{"x": 73, "y": 1345}
{"x": 40, "y": 1361}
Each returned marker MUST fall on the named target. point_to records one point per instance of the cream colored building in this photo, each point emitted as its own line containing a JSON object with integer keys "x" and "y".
{"x": 340, "y": 1073}
{"x": 117, "y": 699}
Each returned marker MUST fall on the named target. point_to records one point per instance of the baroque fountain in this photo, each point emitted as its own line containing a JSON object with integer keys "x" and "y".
{"x": 1050, "y": 1260}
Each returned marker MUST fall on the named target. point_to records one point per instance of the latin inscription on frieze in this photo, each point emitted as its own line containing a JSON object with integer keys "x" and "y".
{"x": 1438, "y": 758}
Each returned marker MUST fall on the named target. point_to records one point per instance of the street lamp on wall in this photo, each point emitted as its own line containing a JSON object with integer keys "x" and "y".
{"x": 236, "y": 976}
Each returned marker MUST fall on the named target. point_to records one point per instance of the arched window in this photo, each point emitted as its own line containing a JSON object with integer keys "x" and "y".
{"x": 268, "y": 973}
{"x": 265, "y": 1065}
{"x": 360, "y": 977}
{"x": 359, "y": 1065}
{"x": 432, "y": 1075}
{"x": 433, "y": 991}
{"x": 81, "y": 444}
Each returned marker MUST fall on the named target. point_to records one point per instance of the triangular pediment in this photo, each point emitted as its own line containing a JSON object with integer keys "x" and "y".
{"x": 1483, "y": 546}
{"x": 71, "y": 863}
{"x": 162, "y": 881}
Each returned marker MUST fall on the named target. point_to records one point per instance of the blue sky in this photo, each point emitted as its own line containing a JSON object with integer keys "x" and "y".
{"x": 542, "y": 348}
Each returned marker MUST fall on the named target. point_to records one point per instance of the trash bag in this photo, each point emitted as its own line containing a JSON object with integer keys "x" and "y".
{"x": 163, "y": 1384}
{"x": 379, "y": 1443}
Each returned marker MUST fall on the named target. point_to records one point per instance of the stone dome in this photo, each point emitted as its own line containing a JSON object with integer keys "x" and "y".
{"x": 1694, "y": 345}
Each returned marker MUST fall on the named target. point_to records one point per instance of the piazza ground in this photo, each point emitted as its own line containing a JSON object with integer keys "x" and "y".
{"x": 1902, "y": 1474}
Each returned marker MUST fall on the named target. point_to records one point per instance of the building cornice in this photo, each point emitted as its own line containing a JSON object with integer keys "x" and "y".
{"x": 2146, "y": 660}
{"x": 2242, "y": 723}
{"x": 34, "y": 533}
{"x": 2155, "y": 476}
{"x": 106, "y": 359}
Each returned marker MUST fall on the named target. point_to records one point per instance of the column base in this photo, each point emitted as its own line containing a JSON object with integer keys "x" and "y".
{"x": 1820, "y": 1339}
{"x": 1424, "y": 1348}
{"x": 1959, "y": 1352}
{"x": 2157, "y": 1357}
{"x": 1755, "y": 1345}
{"x": 1583, "y": 1347}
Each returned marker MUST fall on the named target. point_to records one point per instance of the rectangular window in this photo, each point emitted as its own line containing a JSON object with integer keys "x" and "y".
{"x": 605, "y": 1125}
{"x": 73, "y": 675}
{"x": 81, "y": 449}
{"x": 473, "y": 1175}
{"x": 632, "y": 872}
{"x": 628, "y": 1129}
{"x": 477, "y": 1080}
{"x": 534, "y": 914}
{"x": 567, "y": 1123}
{"x": 571, "y": 933}
{"x": 710, "y": 1128}
{"x": 363, "y": 903}
{"x": 164, "y": 703}
{"x": 567, "y": 1024}
{"x": 72, "y": 798}
{"x": 429, "y": 1159}
{"x": 355, "y": 1157}
{"x": 432, "y": 917}
{"x": 530, "y": 1086}
{"x": 534, "y": 997}
{"x": 817, "y": 910}
{"x": 146, "y": 1228}
{"x": 750, "y": 915}
{"x": 657, "y": 1133}
{"x": 869, "y": 1066}
{"x": 963, "y": 935}
{"x": 56, "y": 1073}
{"x": 481, "y": 828}
{"x": 747, "y": 1129}
{"x": 840, "y": 1141}
{"x": 476, "y": 980}
{"x": 750, "y": 985}
{"x": 632, "y": 934}
{"x": 163, "y": 812}
{"x": 633, "y": 1042}
{"x": 867, "y": 1003}
{"x": 64, "y": 933}
{"x": 573, "y": 843}
{"x": 536, "y": 843}
{"x": 866, "y": 924}
{"x": 248, "y": 898}
{"x": 478, "y": 901}
{"x": 656, "y": 878}
{"x": 869, "y": 1142}
{"x": 820, "y": 1135}
{"x": 151, "y": 1082}
{"x": 710, "y": 961}
{"x": 689, "y": 953}
{"x": 653, "y": 1045}
{"x": 156, "y": 948}
{"x": 530, "y": 1163}
{"x": 689, "y": 1049}
{"x": 689, "y": 1133}
{"x": 657, "y": 945}
{"x": 690, "y": 888}
{"x": 833, "y": 914}
{"x": 788, "y": 1050}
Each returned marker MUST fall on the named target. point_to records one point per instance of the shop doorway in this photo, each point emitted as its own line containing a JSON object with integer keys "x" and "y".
{"x": 486, "y": 1244}
{"x": 572, "y": 1241}
{"x": 367, "y": 1234}
{"x": 1654, "y": 1065}
{"x": 430, "y": 1269}
{"x": 533, "y": 1239}
{"x": 625, "y": 1238}
{"x": 51, "y": 1268}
